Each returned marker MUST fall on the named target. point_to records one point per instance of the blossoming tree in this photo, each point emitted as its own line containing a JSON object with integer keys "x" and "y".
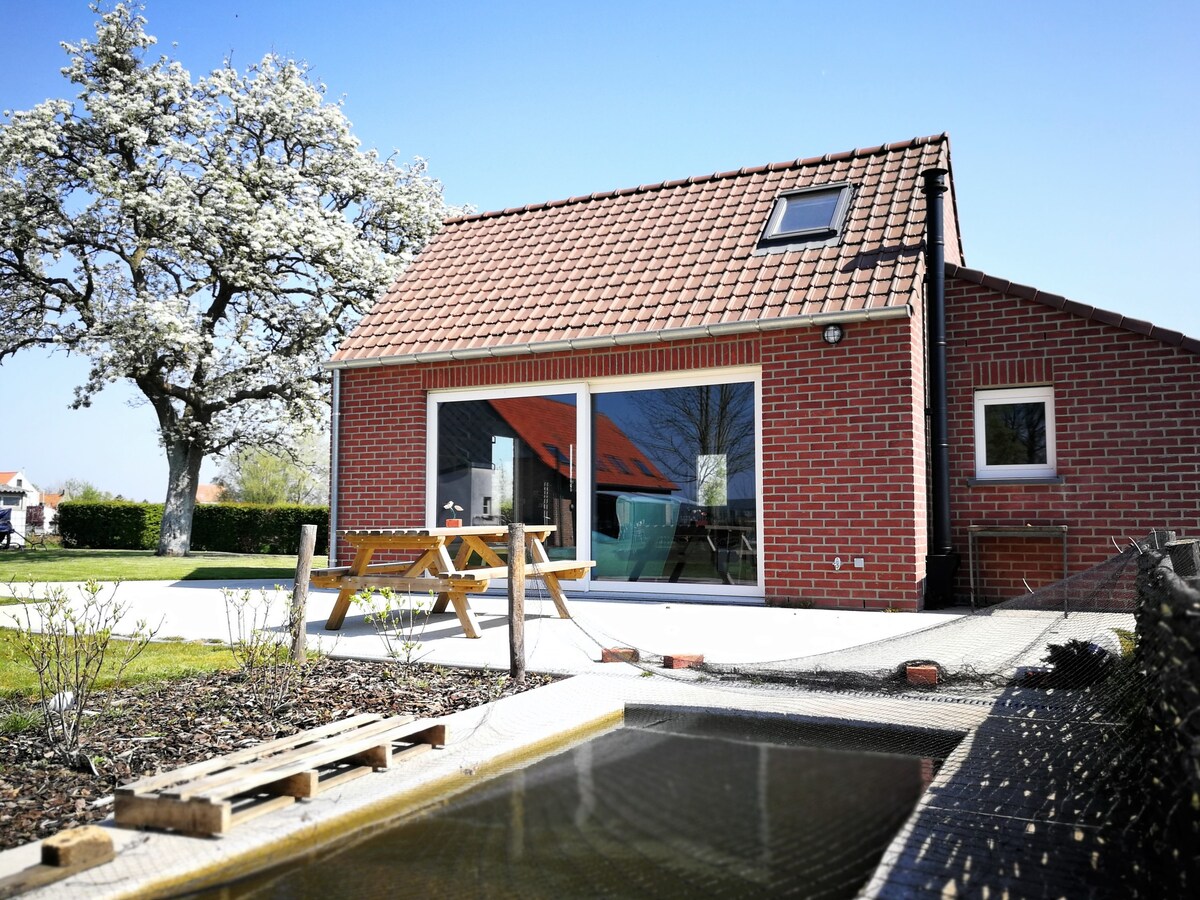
{"x": 208, "y": 240}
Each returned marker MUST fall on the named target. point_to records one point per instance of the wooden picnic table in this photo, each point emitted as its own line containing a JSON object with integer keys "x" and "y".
{"x": 435, "y": 571}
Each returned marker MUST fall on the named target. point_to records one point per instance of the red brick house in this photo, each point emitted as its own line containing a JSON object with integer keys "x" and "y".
{"x": 752, "y": 392}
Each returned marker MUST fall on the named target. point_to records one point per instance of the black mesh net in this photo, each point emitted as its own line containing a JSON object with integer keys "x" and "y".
{"x": 1080, "y": 775}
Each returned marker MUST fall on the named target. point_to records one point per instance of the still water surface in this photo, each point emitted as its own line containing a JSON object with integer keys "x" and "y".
{"x": 681, "y": 807}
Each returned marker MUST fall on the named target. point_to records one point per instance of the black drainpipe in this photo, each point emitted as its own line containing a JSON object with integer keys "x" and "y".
{"x": 942, "y": 563}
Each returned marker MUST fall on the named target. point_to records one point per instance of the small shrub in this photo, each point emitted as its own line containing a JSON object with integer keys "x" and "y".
{"x": 262, "y": 653}
{"x": 20, "y": 721}
{"x": 67, "y": 644}
{"x": 1077, "y": 664}
{"x": 1128, "y": 640}
{"x": 399, "y": 620}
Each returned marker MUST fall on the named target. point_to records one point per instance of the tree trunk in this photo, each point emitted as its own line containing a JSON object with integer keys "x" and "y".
{"x": 183, "y": 461}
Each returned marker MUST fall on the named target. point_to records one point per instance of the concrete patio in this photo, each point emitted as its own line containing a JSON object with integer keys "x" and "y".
{"x": 733, "y": 634}
{"x": 724, "y": 634}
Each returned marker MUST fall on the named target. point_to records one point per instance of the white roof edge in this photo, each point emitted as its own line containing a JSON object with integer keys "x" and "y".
{"x": 633, "y": 337}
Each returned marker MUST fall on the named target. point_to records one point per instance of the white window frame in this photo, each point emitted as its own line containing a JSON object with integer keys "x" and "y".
{"x": 583, "y": 391}
{"x": 1004, "y": 396}
{"x": 728, "y": 593}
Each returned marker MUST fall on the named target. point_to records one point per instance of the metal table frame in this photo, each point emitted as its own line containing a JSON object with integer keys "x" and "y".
{"x": 975, "y": 532}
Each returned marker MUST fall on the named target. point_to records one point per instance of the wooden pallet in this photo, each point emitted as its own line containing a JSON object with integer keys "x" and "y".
{"x": 212, "y": 796}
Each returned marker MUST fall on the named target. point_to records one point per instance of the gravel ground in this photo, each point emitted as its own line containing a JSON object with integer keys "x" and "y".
{"x": 153, "y": 728}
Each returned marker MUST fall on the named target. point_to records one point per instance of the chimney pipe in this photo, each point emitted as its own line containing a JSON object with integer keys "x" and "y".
{"x": 942, "y": 562}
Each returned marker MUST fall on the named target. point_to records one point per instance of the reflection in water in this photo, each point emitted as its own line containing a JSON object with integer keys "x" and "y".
{"x": 667, "y": 810}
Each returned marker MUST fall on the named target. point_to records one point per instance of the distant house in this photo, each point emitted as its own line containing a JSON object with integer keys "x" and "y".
{"x": 21, "y": 498}
{"x": 778, "y": 384}
{"x": 46, "y": 517}
{"x": 209, "y": 493}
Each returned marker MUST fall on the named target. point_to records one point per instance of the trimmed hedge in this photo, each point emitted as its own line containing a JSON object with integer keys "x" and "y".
{"x": 112, "y": 525}
{"x": 221, "y": 527}
{"x": 250, "y": 528}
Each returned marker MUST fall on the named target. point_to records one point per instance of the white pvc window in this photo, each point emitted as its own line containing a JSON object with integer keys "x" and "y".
{"x": 1014, "y": 433}
{"x": 600, "y": 460}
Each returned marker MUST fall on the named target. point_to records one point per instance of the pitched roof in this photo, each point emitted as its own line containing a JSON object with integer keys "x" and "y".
{"x": 658, "y": 261}
{"x": 548, "y": 428}
{"x": 621, "y": 464}
{"x": 209, "y": 493}
{"x": 544, "y": 425}
{"x": 1091, "y": 313}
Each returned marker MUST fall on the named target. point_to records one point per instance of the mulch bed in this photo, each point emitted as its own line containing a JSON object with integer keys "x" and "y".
{"x": 152, "y": 728}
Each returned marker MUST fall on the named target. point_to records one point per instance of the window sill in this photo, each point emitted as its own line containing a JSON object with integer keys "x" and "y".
{"x": 985, "y": 482}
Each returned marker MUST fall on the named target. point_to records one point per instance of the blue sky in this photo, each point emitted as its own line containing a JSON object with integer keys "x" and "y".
{"x": 1074, "y": 130}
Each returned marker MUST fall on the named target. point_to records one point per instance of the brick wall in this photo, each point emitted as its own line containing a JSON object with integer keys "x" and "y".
{"x": 844, "y": 442}
{"x": 843, "y": 454}
{"x": 1127, "y": 432}
{"x": 381, "y": 454}
{"x": 843, "y": 460}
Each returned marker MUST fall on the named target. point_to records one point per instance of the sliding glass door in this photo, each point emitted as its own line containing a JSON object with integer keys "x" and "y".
{"x": 675, "y": 485}
{"x": 657, "y": 482}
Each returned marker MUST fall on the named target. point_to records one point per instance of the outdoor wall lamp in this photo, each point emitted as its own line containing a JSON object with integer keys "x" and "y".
{"x": 833, "y": 334}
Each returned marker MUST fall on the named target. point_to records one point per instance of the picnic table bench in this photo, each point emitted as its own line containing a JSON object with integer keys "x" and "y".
{"x": 451, "y": 578}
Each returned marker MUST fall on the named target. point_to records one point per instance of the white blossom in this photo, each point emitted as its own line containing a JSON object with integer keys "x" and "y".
{"x": 210, "y": 239}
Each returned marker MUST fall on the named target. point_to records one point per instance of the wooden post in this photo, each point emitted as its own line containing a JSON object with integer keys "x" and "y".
{"x": 516, "y": 601}
{"x": 299, "y": 613}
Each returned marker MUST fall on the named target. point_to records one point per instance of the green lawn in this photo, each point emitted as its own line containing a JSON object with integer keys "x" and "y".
{"x": 166, "y": 659}
{"x": 56, "y": 564}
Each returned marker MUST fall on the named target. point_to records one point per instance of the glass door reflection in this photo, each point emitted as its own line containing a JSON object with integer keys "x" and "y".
{"x": 511, "y": 460}
{"x": 675, "y": 491}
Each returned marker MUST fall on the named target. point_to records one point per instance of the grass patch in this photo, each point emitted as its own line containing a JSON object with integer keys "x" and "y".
{"x": 159, "y": 661}
{"x": 17, "y": 600}
{"x": 19, "y": 721}
{"x": 1128, "y": 641}
{"x": 57, "y": 564}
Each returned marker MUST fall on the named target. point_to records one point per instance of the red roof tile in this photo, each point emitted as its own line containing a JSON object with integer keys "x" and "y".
{"x": 1091, "y": 313}
{"x": 672, "y": 256}
{"x": 548, "y": 428}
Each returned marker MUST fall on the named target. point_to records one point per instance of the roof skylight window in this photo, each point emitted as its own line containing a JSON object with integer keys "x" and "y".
{"x": 620, "y": 465}
{"x": 558, "y": 455}
{"x": 812, "y": 214}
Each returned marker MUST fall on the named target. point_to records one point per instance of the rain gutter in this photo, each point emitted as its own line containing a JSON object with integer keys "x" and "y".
{"x": 699, "y": 332}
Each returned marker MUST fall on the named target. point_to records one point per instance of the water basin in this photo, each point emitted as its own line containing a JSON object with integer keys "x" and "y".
{"x": 672, "y": 804}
